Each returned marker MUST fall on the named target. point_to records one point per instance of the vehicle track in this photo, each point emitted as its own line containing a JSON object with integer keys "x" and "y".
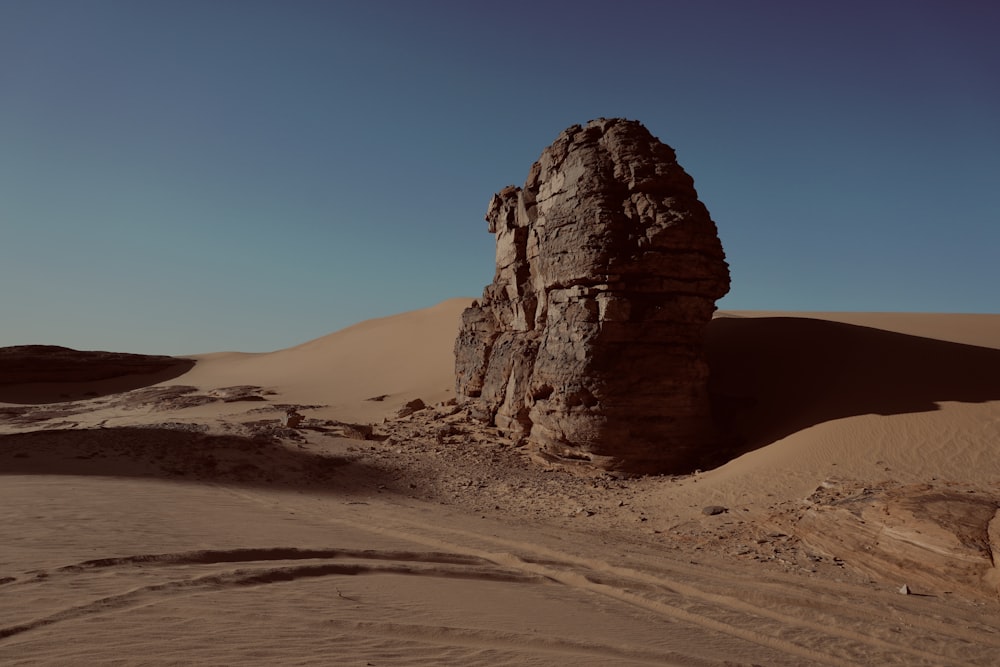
{"x": 794, "y": 618}
{"x": 405, "y": 563}
{"x": 782, "y": 614}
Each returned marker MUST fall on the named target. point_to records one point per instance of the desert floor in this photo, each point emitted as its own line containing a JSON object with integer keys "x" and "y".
{"x": 179, "y": 522}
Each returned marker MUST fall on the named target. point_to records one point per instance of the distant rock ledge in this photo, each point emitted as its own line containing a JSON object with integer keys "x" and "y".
{"x": 73, "y": 374}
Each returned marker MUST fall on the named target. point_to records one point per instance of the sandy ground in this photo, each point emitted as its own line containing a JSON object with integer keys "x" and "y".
{"x": 180, "y": 522}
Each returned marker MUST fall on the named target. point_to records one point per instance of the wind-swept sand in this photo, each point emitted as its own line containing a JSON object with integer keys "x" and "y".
{"x": 181, "y": 523}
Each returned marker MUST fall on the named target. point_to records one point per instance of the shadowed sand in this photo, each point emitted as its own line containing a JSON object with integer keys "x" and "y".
{"x": 170, "y": 453}
{"x": 182, "y": 523}
{"x": 775, "y": 376}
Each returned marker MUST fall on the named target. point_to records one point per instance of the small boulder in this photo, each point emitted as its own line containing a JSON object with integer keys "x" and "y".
{"x": 291, "y": 419}
{"x": 357, "y": 431}
{"x": 413, "y": 406}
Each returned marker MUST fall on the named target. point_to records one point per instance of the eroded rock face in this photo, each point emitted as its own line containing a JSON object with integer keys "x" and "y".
{"x": 588, "y": 343}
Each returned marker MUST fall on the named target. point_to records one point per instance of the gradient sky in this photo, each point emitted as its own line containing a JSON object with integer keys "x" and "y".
{"x": 194, "y": 176}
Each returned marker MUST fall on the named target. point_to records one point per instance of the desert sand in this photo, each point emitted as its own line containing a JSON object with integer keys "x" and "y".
{"x": 851, "y": 520}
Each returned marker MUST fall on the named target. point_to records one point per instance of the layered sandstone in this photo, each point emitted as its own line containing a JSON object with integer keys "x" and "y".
{"x": 588, "y": 343}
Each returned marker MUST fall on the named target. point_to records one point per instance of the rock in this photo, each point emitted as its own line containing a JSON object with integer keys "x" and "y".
{"x": 291, "y": 419}
{"x": 587, "y": 345}
{"x": 239, "y": 394}
{"x": 936, "y": 539}
{"x": 712, "y": 510}
{"x": 413, "y": 406}
{"x": 445, "y": 432}
{"x": 904, "y": 590}
{"x": 357, "y": 431}
{"x": 53, "y": 374}
{"x": 20, "y": 364}
{"x": 446, "y": 410}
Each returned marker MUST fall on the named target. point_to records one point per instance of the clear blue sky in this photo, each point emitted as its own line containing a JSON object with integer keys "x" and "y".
{"x": 192, "y": 176}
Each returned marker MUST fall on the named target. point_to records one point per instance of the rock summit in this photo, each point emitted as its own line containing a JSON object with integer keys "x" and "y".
{"x": 588, "y": 344}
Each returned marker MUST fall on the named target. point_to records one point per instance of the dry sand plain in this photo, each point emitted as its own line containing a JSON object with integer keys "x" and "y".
{"x": 180, "y": 523}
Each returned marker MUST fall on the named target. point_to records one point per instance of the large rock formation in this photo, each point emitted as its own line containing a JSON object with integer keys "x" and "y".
{"x": 588, "y": 343}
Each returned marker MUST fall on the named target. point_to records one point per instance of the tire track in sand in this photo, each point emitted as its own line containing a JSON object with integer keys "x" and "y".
{"x": 686, "y": 601}
{"x": 412, "y": 563}
{"x": 453, "y": 566}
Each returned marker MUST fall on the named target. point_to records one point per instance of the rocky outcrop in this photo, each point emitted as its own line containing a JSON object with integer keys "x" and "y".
{"x": 52, "y": 374}
{"x": 51, "y": 363}
{"x": 588, "y": 343}
{"x": 292, "y": 418}
{"x": 937, "y": 538}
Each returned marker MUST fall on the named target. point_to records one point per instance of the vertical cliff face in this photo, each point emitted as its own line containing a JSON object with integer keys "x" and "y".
{"x": 588, "y": 343}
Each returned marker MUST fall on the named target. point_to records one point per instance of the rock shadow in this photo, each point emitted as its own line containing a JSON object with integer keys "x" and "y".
{"x": 185, "y": 455}
{"x": 774, "y": 376}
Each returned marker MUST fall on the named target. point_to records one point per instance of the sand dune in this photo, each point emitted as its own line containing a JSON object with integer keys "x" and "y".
{"x": 180, "y": 522}
{"x": 398, "y": 357}
{"x": 775, "y": 376}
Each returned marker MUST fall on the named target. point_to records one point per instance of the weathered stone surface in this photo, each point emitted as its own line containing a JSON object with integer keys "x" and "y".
{"x": 933, "y": 537}
{"x": 588, "y": 342}
{"x": 291, "y": 418}
{"x": 413, "y": 406}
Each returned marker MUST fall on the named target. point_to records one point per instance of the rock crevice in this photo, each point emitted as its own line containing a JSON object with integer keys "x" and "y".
{"x": 588, "y": 343}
